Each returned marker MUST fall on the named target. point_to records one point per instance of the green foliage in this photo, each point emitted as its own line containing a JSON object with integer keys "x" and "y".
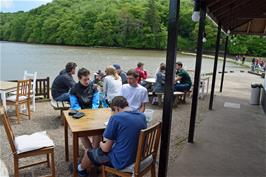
{"x": 115, "y": 23}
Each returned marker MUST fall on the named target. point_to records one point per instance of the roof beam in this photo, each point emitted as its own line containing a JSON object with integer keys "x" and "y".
{"x": 212, "y": 2}
{"x": 233, "y": 8}
{"x": 233, "y": 18}
{"x": 222, "y": 5}
{"x": 249, "y": 23}
{"x": 250, "y": 11}
{"x": 239, "y": 24}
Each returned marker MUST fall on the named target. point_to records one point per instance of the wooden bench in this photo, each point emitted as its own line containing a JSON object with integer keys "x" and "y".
{"x": 60, "y": 105}
{"x": 178, "y": 96}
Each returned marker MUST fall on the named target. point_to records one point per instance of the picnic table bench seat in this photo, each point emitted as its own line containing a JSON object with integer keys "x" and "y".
{"x": 178, "y": 96}
{"x": 60, "y": 105}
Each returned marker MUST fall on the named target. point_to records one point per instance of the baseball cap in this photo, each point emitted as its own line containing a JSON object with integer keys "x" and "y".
{"x": 116, "y": 66}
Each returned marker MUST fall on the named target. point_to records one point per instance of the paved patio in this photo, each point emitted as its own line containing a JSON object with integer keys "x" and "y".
{"x": 230, "y": 141}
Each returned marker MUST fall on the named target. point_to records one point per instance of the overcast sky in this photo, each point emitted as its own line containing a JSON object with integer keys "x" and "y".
{"x": 20, "y": 5}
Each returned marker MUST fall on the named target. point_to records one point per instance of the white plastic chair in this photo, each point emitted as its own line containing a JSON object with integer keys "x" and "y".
{"x": 32, "y": 76}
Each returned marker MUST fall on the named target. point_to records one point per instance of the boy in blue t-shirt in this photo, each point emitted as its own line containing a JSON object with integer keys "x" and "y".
{"x": 119, "y": 147}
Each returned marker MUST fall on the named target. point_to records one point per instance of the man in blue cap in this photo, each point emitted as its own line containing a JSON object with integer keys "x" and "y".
{"x": 121, "y": 73}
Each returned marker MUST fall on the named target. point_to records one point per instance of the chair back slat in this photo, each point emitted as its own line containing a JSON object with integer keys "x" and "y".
{"x": 148, "y": 144}
{"x": 23, "y": 88}
{"x": 43, "y": 87}
{"x": 9, "y": 132}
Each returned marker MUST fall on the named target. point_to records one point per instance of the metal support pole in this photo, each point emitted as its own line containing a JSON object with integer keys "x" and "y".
{"x": 168, "y": 92}
{"x": 197, "y": 73}
{"x": 225, "y": 53}
{"x": 215, "y": 66}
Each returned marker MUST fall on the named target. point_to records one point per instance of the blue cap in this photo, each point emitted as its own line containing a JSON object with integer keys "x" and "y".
{"x": 116, "y": 66}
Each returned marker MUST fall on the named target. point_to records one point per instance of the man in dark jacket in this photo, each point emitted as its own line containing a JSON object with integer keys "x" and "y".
{"x": 63, "y": 83}
{"x": 84, "y": 94}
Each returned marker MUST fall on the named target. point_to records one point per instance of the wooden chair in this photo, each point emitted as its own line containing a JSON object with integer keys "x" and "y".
{"x": 22, "y": 97}
{"x": 48, "y": 151}
{"x": 147, "y": 151}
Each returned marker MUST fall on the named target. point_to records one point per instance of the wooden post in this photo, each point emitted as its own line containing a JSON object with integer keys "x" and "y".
{"x": 215, "y": 66}
{"x": 169, "y": 90}
{"x": 197, "y": 73}
{"x": 225, "y": 54}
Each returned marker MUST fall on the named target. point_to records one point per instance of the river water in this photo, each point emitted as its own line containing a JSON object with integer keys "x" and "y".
{"x": 48, "y": 60}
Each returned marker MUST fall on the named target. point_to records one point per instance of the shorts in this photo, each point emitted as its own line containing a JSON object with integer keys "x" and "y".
{"x": 98, "y": 157}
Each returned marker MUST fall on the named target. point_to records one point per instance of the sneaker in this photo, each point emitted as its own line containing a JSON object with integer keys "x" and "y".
{"x": 82, "y": 173}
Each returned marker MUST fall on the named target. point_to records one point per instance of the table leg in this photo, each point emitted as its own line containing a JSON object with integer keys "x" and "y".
{"x": 75, "y": 155}
{"x": 3, "y": 97}
{"x": 66, "y": 140}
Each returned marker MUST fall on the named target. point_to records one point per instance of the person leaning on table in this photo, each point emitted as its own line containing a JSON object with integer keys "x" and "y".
{"x": 84, "y": 95}
{"x": 120, "y": 139}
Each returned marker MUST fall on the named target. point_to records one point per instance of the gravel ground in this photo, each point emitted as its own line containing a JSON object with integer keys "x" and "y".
{"x": 45, "y": 118}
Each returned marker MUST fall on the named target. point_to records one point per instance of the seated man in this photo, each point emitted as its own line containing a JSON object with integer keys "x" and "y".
{"x": 136, "y": 95}
{"x": 142, "y": 74}
{"x": 119, "y": 146}
{"x": 183, "y": 79}
{"x": 63, "y": 83}
{"x": 84, "y": 95}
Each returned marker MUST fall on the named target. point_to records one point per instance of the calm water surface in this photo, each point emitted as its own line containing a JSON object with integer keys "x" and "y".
{"x": 48, "y": 60}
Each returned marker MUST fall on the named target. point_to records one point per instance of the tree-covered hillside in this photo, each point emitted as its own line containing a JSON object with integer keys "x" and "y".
{"x": 114, "y": 23}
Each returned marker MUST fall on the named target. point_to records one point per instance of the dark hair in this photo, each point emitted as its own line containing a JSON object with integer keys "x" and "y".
{"x": 83, "y": 72}
{"x": 140, "y": 64}
{"x": 133, "y": 72}
{"x": 179, "y": 63}
{"x": 70, "y": 66}
{"x": 119, "y": 101}
{"x": 162, "y": 67}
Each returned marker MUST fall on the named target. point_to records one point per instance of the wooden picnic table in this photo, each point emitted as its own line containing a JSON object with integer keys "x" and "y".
{"x": 6, "y": 87}
{"x": 93, "y": 123}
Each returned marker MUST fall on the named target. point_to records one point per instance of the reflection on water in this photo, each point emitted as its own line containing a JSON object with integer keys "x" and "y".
{"x": 48, "y": 60}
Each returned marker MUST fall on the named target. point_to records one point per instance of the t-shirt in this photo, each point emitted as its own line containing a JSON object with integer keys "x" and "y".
{"x": 142, "y": 74}
{"x": 185, "y": 77}
{"x": 135, "y": 95}
{"x": 123, "y": 129}
{"x": 111, "y": 87}
{"x": 62, "y": 84}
